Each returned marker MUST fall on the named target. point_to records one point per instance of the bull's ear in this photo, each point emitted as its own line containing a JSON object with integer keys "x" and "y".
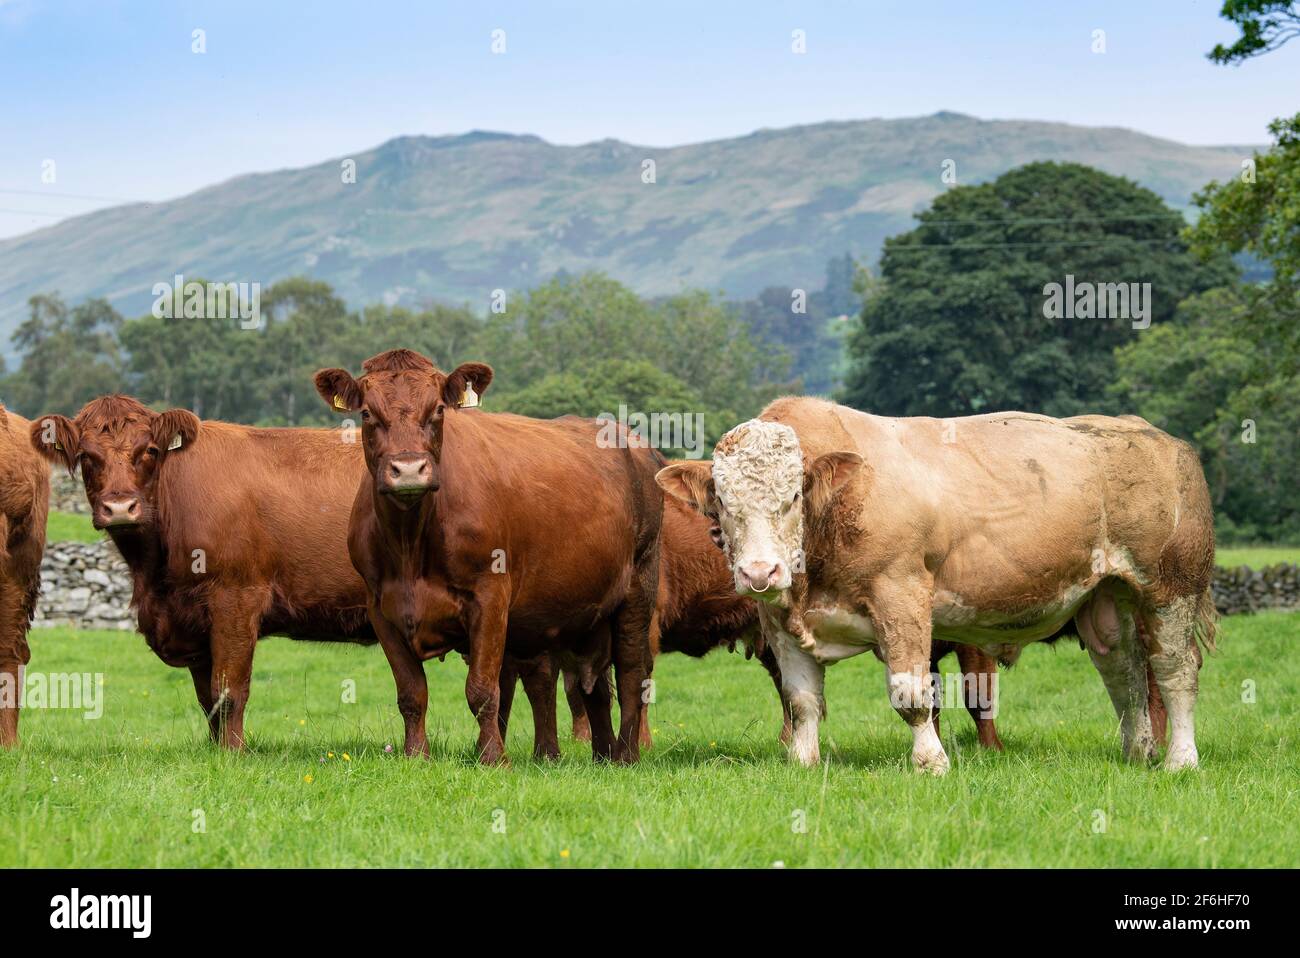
{"x": 175, "y": 429}
{"x": 826, "y": 474}
{"x": 468, "y": 382}
{"x": 692, "y": 482}
{"x": 339, "y": 390}
{"x": 57, "y": 439}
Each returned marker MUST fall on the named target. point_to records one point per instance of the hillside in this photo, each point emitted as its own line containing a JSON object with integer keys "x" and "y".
{"x": 455, "y": 217}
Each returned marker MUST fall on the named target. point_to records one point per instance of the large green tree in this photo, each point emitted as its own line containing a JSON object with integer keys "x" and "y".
{"x": 958, "y": 322}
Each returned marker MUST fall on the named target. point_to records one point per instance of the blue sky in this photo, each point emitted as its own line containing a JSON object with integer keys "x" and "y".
{"x": 110, "y": 90}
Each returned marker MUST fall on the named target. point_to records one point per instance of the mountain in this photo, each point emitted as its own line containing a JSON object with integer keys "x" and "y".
{"x": 455, "y": 217}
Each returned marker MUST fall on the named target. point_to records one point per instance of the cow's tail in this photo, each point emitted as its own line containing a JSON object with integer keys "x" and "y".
{"x": 1207, "y": 620}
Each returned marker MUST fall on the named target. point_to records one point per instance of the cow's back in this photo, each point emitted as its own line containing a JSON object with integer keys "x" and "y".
{"x": 569, "y": 514}
{"x": 268, "y": 508}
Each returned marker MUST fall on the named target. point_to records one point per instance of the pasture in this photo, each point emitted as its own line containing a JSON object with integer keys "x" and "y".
{"x": 319, "y": 788}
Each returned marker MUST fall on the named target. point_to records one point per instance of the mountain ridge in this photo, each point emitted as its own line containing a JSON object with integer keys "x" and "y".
{"x": 456, "y": 216}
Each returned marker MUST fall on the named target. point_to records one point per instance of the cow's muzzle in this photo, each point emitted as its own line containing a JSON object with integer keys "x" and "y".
{"x": 110, "y": 513}
{"x": 407, "y": 478}
{"x": 759, "y": 578}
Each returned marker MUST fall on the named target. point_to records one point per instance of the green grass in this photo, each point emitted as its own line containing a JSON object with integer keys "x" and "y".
{"x": 1256, "y": 556}
{"x": 716, "y": 790}
{"x": 70, "y": 527}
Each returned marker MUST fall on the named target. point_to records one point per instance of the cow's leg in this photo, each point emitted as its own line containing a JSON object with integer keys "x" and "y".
{"x": 1109, "y": 631}
{"x": 1176, "y": 664}
{"x": 408, "y": 676}
{"x": 577, "y": 710}
{"x": 12, "y": 662}
{"x": 768, "y": 658}
{"x": 645, "y": 738}
{"x": 632, "y": 663}
{"x": 487, "y": 643}
{"x": 236, "y": 621}
{"x": 510, "y": 674}
{"x": 597, "y": 704}
{"x": 938, "y": 649}
{"x": 539, "y": 685}
{"x": 802, "y": 684}
{"x": 202, "y": 676}
{"x": 14, "y": 656}
{"x": 979, "y": 684}
{"x": 11, "y": 685}
{"x": 900, "y": 611}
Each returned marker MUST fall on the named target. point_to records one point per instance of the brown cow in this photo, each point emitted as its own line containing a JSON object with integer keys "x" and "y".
{"x": 700, "y": 610}
{"x": 230, "y": 532}
{"x": 488, "y": 532}
{"x": 24, "y": 502}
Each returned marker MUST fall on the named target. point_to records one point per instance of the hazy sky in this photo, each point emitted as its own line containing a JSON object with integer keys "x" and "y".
{"x": 110, "y": 90}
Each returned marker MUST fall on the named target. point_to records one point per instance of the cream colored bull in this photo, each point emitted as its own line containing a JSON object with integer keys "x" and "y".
{"x": 863, "y": 533}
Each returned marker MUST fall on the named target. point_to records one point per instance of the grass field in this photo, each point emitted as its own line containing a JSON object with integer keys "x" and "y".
{"x": 70, "y": 527}
{"x": 318, "y": 787}
{"x": 1256, "y": 556}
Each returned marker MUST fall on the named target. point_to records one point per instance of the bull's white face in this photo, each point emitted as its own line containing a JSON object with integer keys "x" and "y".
{"x": 758, "y": 480}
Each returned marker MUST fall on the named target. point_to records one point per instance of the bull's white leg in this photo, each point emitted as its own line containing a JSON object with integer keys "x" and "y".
{"x": 1176, "y": 668}
{"x": 899, "y": 607}
{"x": 913, "y": 697}
{"x": 1110, "y": 633}
{"x": 802, "y": 681}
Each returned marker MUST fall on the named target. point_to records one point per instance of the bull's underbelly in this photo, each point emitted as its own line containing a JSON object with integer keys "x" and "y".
{"x": 840, "y": 631}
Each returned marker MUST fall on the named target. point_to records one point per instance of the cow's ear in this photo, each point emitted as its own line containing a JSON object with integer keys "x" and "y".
{"x": 826, "y": 474}
{"x": 57, "y": 439}
{"x": 466, "y": 384}
{"x": 691, "y": 482}
{"x": 339, "y": 390}
{"x": 175, "y": 429}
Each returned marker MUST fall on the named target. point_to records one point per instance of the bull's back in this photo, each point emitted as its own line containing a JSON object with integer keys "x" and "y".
{"x": 1013, "y": 510}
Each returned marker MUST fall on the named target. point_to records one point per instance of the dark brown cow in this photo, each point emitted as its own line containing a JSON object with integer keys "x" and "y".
{"x": 230, "y": 532}
{"x": 489, "y": 533}
{"x": 699, "y": 611}
{"x": 24, "y": 501}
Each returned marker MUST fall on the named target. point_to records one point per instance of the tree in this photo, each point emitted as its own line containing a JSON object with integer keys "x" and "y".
{"x": 70, "y": 355}
{"x": 571, "y": 324}
{"x": 1265, "y": 25}
{"x": 1197, "y": 378}
{"x": 1259, "y": 214}
{"x": 961, "y": 320}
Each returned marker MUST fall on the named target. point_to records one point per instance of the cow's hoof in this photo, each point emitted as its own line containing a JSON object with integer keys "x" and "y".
{"x": 933, "y": 763}
{"x": 1181, "y": 758}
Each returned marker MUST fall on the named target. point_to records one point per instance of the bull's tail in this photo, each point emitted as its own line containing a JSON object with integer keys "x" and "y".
{"x": 1207, "y": 620}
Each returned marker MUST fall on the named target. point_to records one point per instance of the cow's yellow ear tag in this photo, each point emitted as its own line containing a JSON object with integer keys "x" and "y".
{"x": 339, "y": 403}
{"x": 175, "y": 443}
{"x": 469, "y": 398}
{"x": 58, "y": 445}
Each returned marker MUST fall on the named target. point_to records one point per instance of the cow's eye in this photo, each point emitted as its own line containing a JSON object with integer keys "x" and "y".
{"x": 365, "y": 415}
{"x": 151, "y": 452}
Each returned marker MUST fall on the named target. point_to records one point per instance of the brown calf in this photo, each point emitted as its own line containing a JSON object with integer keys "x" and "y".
{"x": 24, "y": 501}
{"x": 488, "y": 533}
{"x": 230, "y": 532}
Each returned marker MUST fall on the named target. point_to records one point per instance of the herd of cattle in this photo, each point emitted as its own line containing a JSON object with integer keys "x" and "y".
{"x": 537, "y": 550}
